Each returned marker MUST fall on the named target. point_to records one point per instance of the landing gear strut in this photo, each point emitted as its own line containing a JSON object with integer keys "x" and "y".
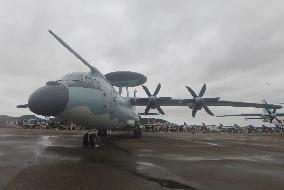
{"x": 102, "y": 136}
{"x": 89, "y": 139}
{"x": 86, "y": 141}
{"x": 137, "y": 131}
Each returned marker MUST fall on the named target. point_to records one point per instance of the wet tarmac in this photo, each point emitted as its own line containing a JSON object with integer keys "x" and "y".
{"x": 42, "y": 159}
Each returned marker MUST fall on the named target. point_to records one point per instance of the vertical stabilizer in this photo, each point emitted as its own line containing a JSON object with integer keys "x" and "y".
{"x": 265, "y": 112}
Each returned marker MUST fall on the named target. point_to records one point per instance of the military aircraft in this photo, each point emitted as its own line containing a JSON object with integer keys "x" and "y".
{"x": 267, "y": 115}
{"x": 89, "y": 98}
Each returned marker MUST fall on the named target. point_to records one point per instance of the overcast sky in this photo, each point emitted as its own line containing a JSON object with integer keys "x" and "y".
{"x": 235, "y": 47}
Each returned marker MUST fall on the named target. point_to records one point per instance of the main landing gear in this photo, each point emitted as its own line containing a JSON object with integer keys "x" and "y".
{"x": 91, "y": 139}
{"x": 137, "y": 131}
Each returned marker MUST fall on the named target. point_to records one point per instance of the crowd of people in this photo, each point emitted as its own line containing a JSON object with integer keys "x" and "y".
{"x": 210, "y": 128}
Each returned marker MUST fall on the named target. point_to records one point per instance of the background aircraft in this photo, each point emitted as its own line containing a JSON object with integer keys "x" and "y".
{"x": 267, "y": 115}
{"x": 89, "y": 99}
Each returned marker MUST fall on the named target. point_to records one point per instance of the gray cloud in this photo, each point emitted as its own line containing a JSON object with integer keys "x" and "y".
{"x": 236, "y": 47}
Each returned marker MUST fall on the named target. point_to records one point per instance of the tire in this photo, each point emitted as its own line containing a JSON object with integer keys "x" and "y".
{"x": 137, "y": 133}
{"x": 104, "y": 133}
{"x": 86, "y": 141}
{"x": 100, "y": 133}
{"x": 92, "y": 139}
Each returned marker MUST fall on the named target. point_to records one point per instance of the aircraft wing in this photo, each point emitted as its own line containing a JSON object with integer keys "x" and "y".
{"x": 168, "y": 101}
{"x": 196, "y": 103}
{"x": 191, "y": 103}
{"x": 163, "y": 101}
{"x": 243, "y": 104}
{"x": 243, "y": 114}
{"x": 253, "y": 118}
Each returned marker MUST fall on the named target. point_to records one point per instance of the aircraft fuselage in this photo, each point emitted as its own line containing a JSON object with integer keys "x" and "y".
{"x": 91, "y": 101}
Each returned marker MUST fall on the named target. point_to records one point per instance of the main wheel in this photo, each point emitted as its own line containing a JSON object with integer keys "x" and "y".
{"x": 92, "y": 139}
{"x": 104, "y": 133}
{"x": 86, "y": 141}
{"x": 137, "y": 133}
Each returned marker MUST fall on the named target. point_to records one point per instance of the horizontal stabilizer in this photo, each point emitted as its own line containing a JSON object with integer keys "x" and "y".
{"x": 240, "y": 115}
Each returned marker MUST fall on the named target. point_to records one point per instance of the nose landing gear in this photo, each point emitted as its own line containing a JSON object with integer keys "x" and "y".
{"x": 90, "y": 139}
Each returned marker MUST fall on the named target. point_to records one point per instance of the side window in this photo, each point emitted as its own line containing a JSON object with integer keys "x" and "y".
{"x": 88, "y": 80}
{"x": 76, "y": 78}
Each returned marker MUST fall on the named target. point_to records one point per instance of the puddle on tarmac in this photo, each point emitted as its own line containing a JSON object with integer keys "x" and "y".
{"x": 145, "y": 150}
{"x": 256, "y": 158}
{"x": 2, "y": 154}
{"x": 143, "y": 167}
{"x": 167, "y": 183}
{"x": 44, "y": 142}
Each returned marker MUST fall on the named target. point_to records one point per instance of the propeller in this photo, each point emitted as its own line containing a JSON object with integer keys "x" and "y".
{"x": 272, "y": 115}
{"x": 153, "y": 100}
{"x": 200, "y": 102}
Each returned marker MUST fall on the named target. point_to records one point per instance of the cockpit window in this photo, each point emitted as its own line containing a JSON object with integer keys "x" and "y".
{"x": 81, "y": 80}
{"x": 75, "y": 78}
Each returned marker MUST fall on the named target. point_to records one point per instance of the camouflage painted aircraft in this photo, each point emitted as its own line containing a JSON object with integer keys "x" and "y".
{"x": 89, "y": 99}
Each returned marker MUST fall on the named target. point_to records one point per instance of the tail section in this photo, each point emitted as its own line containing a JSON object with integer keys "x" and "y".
{"x": 265, "y": 112}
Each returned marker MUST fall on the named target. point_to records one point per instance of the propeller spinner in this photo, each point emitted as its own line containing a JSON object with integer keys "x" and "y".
{"x": 200, "y": 102}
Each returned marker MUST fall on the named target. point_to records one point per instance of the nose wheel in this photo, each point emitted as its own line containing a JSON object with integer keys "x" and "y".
{"x": 86, "y": 141}
{"x": 89, "y": 139}
{"x": 102, "y": 137}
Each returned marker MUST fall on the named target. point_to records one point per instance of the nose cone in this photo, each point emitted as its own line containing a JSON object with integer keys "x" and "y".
{"x": 49, "y": 100}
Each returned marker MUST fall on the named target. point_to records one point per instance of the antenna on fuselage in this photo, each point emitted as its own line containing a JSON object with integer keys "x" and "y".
{"x": 127, "y": 92}
{"x": 134, "y": 94}
{"x": 92, "y": 68}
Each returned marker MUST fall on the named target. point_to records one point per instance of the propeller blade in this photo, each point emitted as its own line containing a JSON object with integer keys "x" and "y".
{"x": 208, "y": 110}
{"x": 194, "y": 111}
{"x": 147, "y": 109}
{"x": 160, "y": 110}
{"x": 269, "y": 112}
{"x": 278, "y": 120}
{"x": 23, "y": 106}
{"x": 202, "y": 91}
{"x": 157, "y": 90}
{"x": 146, "y": 90}
{"x": 191, "y": 91}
